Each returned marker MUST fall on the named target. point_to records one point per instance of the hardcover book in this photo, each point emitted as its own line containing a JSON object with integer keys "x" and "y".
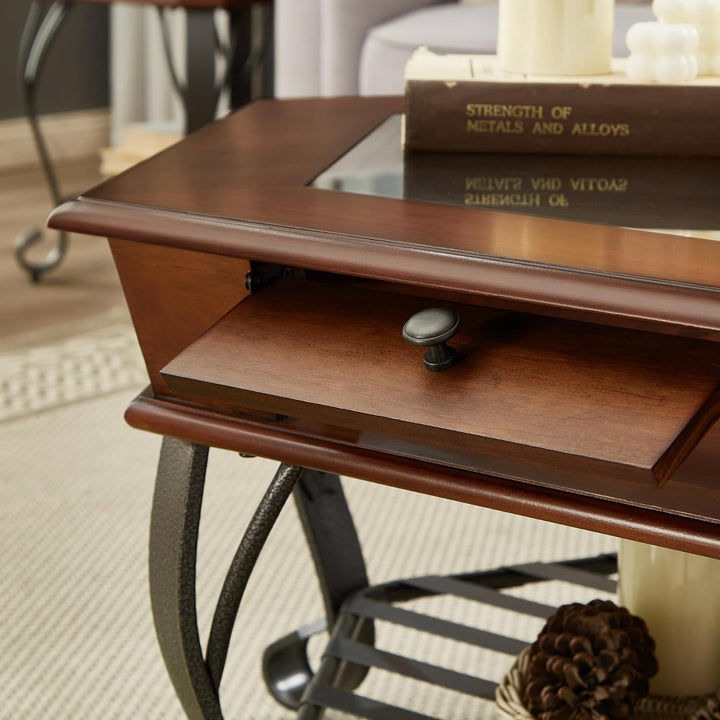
{"x": 462, "y": 103}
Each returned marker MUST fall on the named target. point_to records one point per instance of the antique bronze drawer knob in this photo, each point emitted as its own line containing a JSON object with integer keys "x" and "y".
{"x": 431, "y": 328}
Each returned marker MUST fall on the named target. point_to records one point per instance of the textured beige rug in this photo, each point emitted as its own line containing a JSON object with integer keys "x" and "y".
{"x": 76, "y": 636}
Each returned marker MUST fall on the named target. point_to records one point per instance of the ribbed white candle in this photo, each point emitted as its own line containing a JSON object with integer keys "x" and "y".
{"x": 678, "y": 596}
{"x": 555, "y": 37}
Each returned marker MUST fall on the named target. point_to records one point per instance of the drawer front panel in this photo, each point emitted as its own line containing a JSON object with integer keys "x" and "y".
{"x": 543, "y": 391}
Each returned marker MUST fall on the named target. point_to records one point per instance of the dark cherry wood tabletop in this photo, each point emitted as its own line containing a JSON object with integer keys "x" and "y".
{"x": 225, "y": 185}
{"x": 591, "y": 414}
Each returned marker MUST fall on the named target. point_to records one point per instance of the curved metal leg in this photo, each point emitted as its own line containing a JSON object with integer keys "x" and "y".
{"x": 172, "y": 562}
{"x": 39, "y": 32}
{"x": 340, "y": 568}
{"x": 331, "y": 536}
{"x": 242, "y": 566}
{"x": 286, "y": 668}
{"x": 249, "y": 55}
{"x": 200, "y": 91}
{"x": 173, "y": 546}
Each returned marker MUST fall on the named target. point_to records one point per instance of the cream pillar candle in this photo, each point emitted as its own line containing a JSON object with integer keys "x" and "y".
{"x": 678, "y": 596}
{"x": 555, "y": 37}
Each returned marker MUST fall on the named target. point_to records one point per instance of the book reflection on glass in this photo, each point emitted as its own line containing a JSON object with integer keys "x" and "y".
{"x": 638, "y": 192}
{"x": 649, "y": 192}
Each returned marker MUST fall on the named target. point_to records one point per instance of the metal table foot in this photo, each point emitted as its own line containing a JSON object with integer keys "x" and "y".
{"x": 172, "y": 564}
{"x": 41, "y": 27}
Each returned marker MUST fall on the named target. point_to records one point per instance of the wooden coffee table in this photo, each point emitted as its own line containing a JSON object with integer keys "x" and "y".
{"x": 270, "y": 314}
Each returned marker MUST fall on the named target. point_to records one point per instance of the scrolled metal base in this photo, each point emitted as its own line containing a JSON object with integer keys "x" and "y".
{"x": 172, "y": 564}
{"x": 27, "y": 241}
{"x": 40, "y": 30}
{"x": 286, "y": 668}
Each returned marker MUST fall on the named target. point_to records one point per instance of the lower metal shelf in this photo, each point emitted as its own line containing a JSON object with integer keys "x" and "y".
{"x": 350, "y": 652}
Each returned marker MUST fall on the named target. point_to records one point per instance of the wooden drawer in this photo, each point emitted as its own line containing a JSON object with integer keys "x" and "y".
{"x": 531, "y": 393}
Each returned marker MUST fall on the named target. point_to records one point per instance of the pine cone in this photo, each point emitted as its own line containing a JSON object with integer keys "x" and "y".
{"x": 590, "y": 662}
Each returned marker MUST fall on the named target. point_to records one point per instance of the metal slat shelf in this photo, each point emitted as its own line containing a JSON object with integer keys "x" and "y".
{"x": 350, "y": 652}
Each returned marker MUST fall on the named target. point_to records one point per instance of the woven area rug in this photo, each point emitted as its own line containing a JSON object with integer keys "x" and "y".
{"x": 75, "y": 490}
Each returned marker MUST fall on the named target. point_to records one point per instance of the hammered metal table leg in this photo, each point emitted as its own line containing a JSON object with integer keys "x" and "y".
{"x": 172, "y": 563}
{"x": 243, "y": 564}
{"x": 173, "y": 546}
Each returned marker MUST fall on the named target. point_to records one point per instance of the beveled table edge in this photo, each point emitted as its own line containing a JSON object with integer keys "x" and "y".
{"x": 637, "y": 302}
{"x": 645, "y": 525}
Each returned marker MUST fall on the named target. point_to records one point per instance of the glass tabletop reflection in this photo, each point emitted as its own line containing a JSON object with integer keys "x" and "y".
{"x": 678, "y": 195}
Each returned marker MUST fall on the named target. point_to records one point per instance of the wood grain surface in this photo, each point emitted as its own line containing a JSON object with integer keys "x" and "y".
{"x": 240, "y": 188}
{"x": 174, "y": 296}
{"x": 539, "y": 390}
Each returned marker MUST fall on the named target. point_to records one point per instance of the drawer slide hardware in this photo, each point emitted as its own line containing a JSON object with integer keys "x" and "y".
{"x": 263, "y": 274}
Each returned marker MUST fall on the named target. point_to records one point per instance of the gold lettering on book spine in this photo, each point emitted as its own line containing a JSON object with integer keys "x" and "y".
{"x": 499, "y": 127}
{"x": 510, "y": 119}
{"x": 602, "y": 129}
{"x": 501, "y": 111}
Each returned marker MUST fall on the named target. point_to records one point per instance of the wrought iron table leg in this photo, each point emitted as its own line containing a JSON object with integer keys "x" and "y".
{"x": 199, "y": 94}
{"x": 173, "y": 546}
{"x": 172, "y": 564}
{"x": 267, "y": 57}
{"x": 241, "y": 60}
{"x": 172, "y": 561}
{"x": 40, "y": 30}
{"x": 201, "y": 91}
{"x": 340, "y": 569}
{"x": 249, "y": 56}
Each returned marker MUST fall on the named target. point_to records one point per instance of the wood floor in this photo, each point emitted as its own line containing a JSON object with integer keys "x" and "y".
{"x": 82, "y": 293}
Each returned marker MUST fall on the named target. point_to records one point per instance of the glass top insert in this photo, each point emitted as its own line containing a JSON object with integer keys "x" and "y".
{"x": 672, "y": 194}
